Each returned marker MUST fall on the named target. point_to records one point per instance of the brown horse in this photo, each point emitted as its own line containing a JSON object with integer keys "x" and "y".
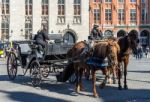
{"x": 101, "y": 50}
{"x": 127, "y": 44}
{"x": 77, "y": 57}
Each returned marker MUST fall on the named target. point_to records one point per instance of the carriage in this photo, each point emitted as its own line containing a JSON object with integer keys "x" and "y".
{"x": 26, "y": 54}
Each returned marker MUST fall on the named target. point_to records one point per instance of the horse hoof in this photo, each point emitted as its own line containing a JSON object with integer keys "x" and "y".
{"x": 120, "y": 87}
{"x": 82, "y": 89}
{"x": 125, "y": 87}
{"x": 96, "y": 95}
{"x": 77, "y": 89}
{"x": 102, "y": 86}
{"x": 114, "y": 82}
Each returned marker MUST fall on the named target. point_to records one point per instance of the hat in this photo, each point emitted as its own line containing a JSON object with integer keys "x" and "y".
{"x": 96, "y": 26}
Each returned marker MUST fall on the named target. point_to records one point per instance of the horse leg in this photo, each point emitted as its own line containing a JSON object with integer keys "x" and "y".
{"x": 80, "y": 79}
{"x": 119, "y": 78}
{"x": 114, "y": 75}
{"x": 94, "y": 83}
{"x": 77, "y": 88}
{"x": 125, "y": 73}
{"x": 106, "y": 73}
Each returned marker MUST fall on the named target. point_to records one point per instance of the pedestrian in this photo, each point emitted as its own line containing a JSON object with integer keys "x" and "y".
{"x": 146, "y": 51}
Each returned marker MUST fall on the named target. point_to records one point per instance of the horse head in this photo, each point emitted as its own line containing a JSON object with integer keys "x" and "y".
{"x": 133, "y": 43}
{"x": 113, "y": 51}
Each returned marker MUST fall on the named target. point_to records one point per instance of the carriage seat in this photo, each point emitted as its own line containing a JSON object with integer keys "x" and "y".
{"x": 24, "y": 50}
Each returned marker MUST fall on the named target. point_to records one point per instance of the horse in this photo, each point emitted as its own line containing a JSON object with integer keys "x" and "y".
{"x": 127, "y": 44}
{"x": 76, "y": 56}
{"x": 81, "y": 53}
{"x": 103, "y": 50}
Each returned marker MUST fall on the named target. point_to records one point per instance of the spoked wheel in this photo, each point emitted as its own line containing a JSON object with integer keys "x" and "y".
{"x": 12, "y": 66}
{"x": 72, "y": 78}
{"x": 45, "y": 71}
{"x": 35, "y": 73}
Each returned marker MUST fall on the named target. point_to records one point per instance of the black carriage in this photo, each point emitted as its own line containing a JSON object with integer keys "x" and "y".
{"x": 27, "y": 55}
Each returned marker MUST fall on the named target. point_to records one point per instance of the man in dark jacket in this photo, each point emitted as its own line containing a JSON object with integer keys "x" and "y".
{"x": 95, "y": 33}
{"x": 41, "y": 38}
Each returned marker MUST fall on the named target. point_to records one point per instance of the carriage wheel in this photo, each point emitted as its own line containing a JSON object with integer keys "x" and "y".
{"x": 45, "y": 71}
{"x": 12, "y": 66}
{"x": 72, "y": 78}
{"x": 35, "y": 73}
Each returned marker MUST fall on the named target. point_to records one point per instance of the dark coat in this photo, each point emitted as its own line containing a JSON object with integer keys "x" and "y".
{"x": 41, "y": 38}
{"x": 96, "y": 34}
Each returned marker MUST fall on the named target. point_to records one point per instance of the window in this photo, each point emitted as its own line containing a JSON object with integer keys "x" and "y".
{"x": 133, "y": 1}
{"x": 28, "y": 28}
{"x": 28, "y": 7}
{"x": 44, "y": 17}
{"x": 144, "y": 15}
{"x": 44, "y": 7}
{"x": 44, "y": 23}
{"x": 5, "y": 28}
{"x": 108, "y": 15}
{"x": 5, "y": 7}
{"x": 77, "y": 11}
{"x": 5, "y": 20}
{"x": 121, "y": 14}
{"x": 133, "y": 15}
{"x": 143, "y": 1}
{"x": 96, "y": 1}
{"x": 61, "y": 11}
{"x": 96, "y": 16}
{"x": 120, "y": 1}
{"x": 108, "y": 1}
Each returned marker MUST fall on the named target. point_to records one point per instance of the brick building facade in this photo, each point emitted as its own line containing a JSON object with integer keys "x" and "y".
{"x": 20, "y": 18}
{"x": 119, "y": 17}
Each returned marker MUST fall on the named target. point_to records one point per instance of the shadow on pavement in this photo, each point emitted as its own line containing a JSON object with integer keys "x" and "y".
{"x": 112, "y": 94}
{"x": 30, "y": 97}
{"x": 139, "y": 71}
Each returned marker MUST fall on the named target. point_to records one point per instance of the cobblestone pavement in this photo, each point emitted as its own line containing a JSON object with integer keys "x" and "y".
{"x": 21, "y": 90}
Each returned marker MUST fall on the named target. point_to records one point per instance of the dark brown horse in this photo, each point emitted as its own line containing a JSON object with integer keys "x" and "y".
{"x": 127, "y": 45}
{"x": 77, "y": 57}
{"x": 101, "y": 50}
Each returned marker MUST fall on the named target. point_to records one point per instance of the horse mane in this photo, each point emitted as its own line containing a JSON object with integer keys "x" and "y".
{"x": 100, "y": 49}
{"x": 77, "y": 49}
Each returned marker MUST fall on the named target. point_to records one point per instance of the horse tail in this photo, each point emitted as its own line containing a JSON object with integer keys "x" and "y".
{"x": 66, "y": 74}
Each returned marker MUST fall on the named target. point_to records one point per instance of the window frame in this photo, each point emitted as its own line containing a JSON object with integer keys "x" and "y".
{"x": 96, "y": 13}
{"x": 77, "y": 11}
